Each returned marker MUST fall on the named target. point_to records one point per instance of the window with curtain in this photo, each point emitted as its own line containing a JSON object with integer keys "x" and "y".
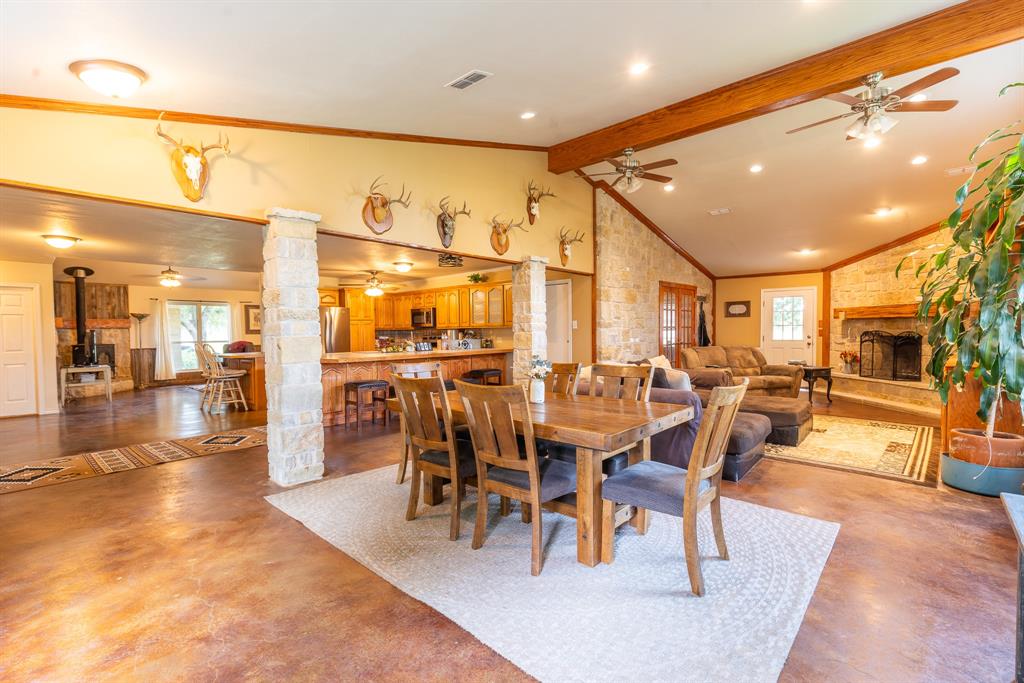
{"x": 677, "y": 319}
{"x": 192, "y": 321}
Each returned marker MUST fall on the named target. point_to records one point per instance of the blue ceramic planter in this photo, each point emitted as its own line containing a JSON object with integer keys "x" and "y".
{"x": 989, "y": 481}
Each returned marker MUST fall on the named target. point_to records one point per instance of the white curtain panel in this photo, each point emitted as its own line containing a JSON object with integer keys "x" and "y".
{"x": 164, "y": 350}
{"x": 237, "y": 322}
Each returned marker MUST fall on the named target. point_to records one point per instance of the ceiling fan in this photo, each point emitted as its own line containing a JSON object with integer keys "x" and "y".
{"x": 631, "y": 173}
{"x": 872, "y": 107}
{"x": 173, "y": 278}
{"x": 372, "y": 286}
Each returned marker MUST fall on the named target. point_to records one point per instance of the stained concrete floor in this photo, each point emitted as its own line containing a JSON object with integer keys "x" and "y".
{"x": 183, "y": 572}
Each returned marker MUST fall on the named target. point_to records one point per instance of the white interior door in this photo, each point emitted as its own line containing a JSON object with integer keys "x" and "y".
{"x": 788, "y": 324}
{"x": 559, "y": 297}
{"x": 17, "y": 351}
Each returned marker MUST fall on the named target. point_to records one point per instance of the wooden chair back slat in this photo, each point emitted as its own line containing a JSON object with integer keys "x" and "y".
{"x": 491, "y": 411}
{"x": 416, "y": 369}
{"x": 416, "y": 397}
{"x": 563, "y": 378}
{"x": 629, "y": 382}
{"x": 708, "y": 454}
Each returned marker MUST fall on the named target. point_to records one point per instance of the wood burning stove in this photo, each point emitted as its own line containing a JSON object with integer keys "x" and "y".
{"x": 884, "y": 355}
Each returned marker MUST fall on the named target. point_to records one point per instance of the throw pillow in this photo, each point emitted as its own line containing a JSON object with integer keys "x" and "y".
{"x": 660, "y": 362}
{"x": 670, "y": 379}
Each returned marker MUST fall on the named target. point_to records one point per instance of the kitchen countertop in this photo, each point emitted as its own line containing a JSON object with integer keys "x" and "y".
{"x": 369, "y": 356}
{"x": 241, "y": 354}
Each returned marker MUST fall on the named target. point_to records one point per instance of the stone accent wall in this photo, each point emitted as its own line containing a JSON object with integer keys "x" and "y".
{"x": 873, "y": 282}
{"x": 291, "y": 347}
{"x": 631, "y": 261}
{"x": 529, "y": 315}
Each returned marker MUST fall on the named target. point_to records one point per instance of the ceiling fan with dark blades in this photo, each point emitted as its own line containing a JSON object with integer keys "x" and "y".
{"x": 873, "y": 106}
{"x": 631, "y": 173}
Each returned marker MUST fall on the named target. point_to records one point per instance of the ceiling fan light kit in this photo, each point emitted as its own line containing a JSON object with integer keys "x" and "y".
{"x": 170, "y": 278}
{"x": 373, "y": 285}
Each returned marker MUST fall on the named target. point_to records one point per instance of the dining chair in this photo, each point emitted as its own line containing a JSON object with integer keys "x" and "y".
{"x": 433, "y": 446}
{"x": 411, "y": 370}
{"x": 205, "y": 370}
{"x": 224, "y": 385}
{"x": 680, "y": 492}
{"x": 563, "y": 378}
{"x": 630, "y": 382}
{"x": 508, "y": 466}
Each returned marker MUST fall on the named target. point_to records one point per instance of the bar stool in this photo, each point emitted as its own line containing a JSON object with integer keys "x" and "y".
{"x": 367, "y": 393}
{"x": 483, "y": 376}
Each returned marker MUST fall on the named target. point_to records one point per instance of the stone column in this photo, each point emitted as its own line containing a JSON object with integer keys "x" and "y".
{"x": 291, "y": 347}
{"x": 529, "y": 315}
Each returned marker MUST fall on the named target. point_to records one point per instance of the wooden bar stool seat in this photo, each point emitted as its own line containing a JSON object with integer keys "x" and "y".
{"x": 368, "y": 393}
{"x": 482, "y": 376}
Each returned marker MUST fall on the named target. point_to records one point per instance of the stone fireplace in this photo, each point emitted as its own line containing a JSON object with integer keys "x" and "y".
{"x": 896, "y": 357}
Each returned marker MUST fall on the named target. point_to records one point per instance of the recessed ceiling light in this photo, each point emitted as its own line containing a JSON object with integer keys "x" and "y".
{"x": 527, "y": 115}
{"x": 913, "y": 253}
{"x": 919, "y": 159}
{"x": 919, "y": 97}
{"x": 719, "y": 212}
{"x": 61, "y": 241}
{"x": 107, "y": 77}
{"x": 638, "y": 68}
{"x": 402, "y": 266}
{"x": 883, "y": 211}
{"x": 756, "y": 168}
{"x": 872, "y": 141}
{"x": 806, "y": 252}
{"x": 669, "y": 188}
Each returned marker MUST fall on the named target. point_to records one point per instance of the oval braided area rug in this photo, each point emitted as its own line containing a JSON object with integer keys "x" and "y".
{"x": 635, "y": 619}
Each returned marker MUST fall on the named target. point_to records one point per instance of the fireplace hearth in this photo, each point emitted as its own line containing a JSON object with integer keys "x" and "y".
{"x": 884, "y": 355}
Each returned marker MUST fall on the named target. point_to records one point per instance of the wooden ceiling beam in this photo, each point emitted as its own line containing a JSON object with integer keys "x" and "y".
{"x": 938, "y": 37}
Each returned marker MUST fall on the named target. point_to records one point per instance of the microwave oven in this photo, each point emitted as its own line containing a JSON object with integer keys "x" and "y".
{"x": 423, "y": 317}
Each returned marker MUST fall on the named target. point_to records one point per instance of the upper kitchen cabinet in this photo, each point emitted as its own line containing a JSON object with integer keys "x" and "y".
{"x": 384, "y": 312}
{"x": 329, "y": 297}
{"x": 360, "y": 306}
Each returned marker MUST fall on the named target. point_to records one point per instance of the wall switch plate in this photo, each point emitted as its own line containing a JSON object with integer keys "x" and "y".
{"x": 575, "y": 324}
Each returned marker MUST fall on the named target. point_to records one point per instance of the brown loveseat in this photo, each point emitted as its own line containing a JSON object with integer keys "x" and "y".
{"x": 749, "y": 362}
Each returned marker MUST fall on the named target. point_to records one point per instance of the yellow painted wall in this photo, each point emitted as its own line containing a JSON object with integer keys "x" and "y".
{"x": 40, "y": 274}
{"x": 328, "y": 175}
{"x": 747, "y": 331}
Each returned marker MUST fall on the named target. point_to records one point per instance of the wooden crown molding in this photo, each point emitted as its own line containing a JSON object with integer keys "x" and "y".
{"x": 42, "y": 104}
{"x": 909, "y": 237}
{"x": 771, "y": 274}
{"x": 938, "y": 37}
{"x": 651, "y": 225}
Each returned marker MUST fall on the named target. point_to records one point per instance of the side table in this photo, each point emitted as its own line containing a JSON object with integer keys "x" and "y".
{"x": 73, "y": 370}
{"x": 812, "y": 373}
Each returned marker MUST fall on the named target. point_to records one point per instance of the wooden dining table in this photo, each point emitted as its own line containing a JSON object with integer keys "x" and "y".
{"x": 599, "y": 428}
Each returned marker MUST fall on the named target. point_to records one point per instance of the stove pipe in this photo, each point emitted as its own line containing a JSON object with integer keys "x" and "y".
{"x": 79, "y": 273}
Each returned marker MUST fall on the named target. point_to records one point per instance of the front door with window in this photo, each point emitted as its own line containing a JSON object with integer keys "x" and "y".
{"x": 788, "y": 321}
{"x": 192, "y": 321}
{"x": 677, "y": 319}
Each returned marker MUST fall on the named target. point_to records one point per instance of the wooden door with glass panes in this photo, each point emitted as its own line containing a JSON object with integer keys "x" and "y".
{"x": 677, "y": 320}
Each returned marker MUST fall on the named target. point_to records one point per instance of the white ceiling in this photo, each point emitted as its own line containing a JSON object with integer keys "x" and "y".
{"x": 130, "y": 244}
{"x": 381, "y": 65}
{"x": 817, "y": 190}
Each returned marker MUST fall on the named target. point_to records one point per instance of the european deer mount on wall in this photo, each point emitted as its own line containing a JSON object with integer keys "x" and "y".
{"x": 499, "y": 234}
{"x": 533, "y": 197}
{"x": 189, "y": 164}
{"x": 565, "y": 244}
{"x": 446, "y": 221}
{"x": 377, "y": 208}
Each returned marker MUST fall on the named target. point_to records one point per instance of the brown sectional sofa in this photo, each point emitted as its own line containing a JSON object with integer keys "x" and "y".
{"x": 745, "y": 361}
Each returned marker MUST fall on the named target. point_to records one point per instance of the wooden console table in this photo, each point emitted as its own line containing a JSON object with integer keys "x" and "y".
{"x": 73, "y": 370}
{"x": 1015, "y": 509}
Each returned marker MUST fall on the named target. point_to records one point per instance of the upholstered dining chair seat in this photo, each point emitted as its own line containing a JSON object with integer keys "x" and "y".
{"x": 557, "y": 478}
{"x": 651, "y": 485}
{"x": 467, "y": 461}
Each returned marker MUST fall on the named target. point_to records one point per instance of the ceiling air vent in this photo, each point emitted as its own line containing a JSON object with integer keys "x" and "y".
{"x": 468, "y": 79}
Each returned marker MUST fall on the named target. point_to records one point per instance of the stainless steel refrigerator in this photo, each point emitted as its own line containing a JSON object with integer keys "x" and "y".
{"x": 334, "y": 329}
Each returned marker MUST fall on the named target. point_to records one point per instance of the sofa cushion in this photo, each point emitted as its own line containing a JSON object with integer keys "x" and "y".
{"x": 761, "y": 382}
{"x": 743, "y": 359}
{"x": 748, "y": 431}
{"x": 690, "y": 359}
{"x": 650, "y": 485}
{"x": 711, "y": 355}
{"x": 557, "y": 478}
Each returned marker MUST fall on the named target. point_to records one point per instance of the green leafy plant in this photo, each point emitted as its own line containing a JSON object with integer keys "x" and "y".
{"x": 476, "y": 278}
{"x": 972, "y": 294}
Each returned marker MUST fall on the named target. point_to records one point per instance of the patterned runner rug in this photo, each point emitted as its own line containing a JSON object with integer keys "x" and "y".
{"x": 38, "y": 473}
{"x": 882, "y": 449}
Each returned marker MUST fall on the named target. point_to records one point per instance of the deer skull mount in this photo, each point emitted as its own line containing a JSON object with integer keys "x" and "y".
{"x": 565, "y": 244}
{"x": 533, "y": 196}
{"x": 189, "y": 165}
{"x": 377, "y": 208}
{"x": 499, "y": 234}
{"x": 446, "y": 220}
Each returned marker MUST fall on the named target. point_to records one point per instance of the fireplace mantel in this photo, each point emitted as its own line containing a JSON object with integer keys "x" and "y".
{"x": 886, "y": 311}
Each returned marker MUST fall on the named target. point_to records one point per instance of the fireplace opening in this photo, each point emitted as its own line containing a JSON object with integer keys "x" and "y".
{"x": 884, "y": 355}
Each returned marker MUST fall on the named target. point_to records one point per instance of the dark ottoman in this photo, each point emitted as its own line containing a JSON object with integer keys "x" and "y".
{"x": 790, "y": 417}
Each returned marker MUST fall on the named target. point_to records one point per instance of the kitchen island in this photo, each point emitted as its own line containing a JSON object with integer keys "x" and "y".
{"x": 338, "y": 368}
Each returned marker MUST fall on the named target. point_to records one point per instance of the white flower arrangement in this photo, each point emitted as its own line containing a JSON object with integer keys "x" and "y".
{"x": 539, "y": 368}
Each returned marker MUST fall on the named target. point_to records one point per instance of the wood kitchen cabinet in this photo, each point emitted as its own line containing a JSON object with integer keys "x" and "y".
{"x": 508, "y": 305}
{"x": 403, "y": 312}
{"x": 465, "y": 319}
{"x": 363, "y": 335}
{"x": 429, "y": 300}
{"x": 360, "y": 306}
{"x": 384, "y": 312}
{"x": 495, "y": 306}
{"x": 477, "y": 306}
{"x": 329, "y": 297}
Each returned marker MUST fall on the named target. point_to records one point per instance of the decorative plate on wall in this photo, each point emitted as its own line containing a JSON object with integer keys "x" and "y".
{"x": 737, "y": 309}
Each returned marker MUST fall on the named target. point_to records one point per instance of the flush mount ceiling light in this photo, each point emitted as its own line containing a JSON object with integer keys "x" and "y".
{"x": 107, "y": 77}
{"x": 373, "y": 285}
{"x": 449, "y": 261}
{"x": 527, "y": 115}
{"x": 402, "y": 266}
{"x": 61, "y": 241}
{"x": 919, "y": 159}
{"x": 670, "y": 188}
{"x": 805, "y": 252}
{"x": 170, "y": 278}
{"x": 883, "y": 211}
{"x": 756, "y": 168}
{"x": 719, "y": 212}
{"x": 638, "y": 68}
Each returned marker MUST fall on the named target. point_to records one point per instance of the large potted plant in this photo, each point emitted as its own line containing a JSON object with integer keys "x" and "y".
{"x": 972, "y": 299}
